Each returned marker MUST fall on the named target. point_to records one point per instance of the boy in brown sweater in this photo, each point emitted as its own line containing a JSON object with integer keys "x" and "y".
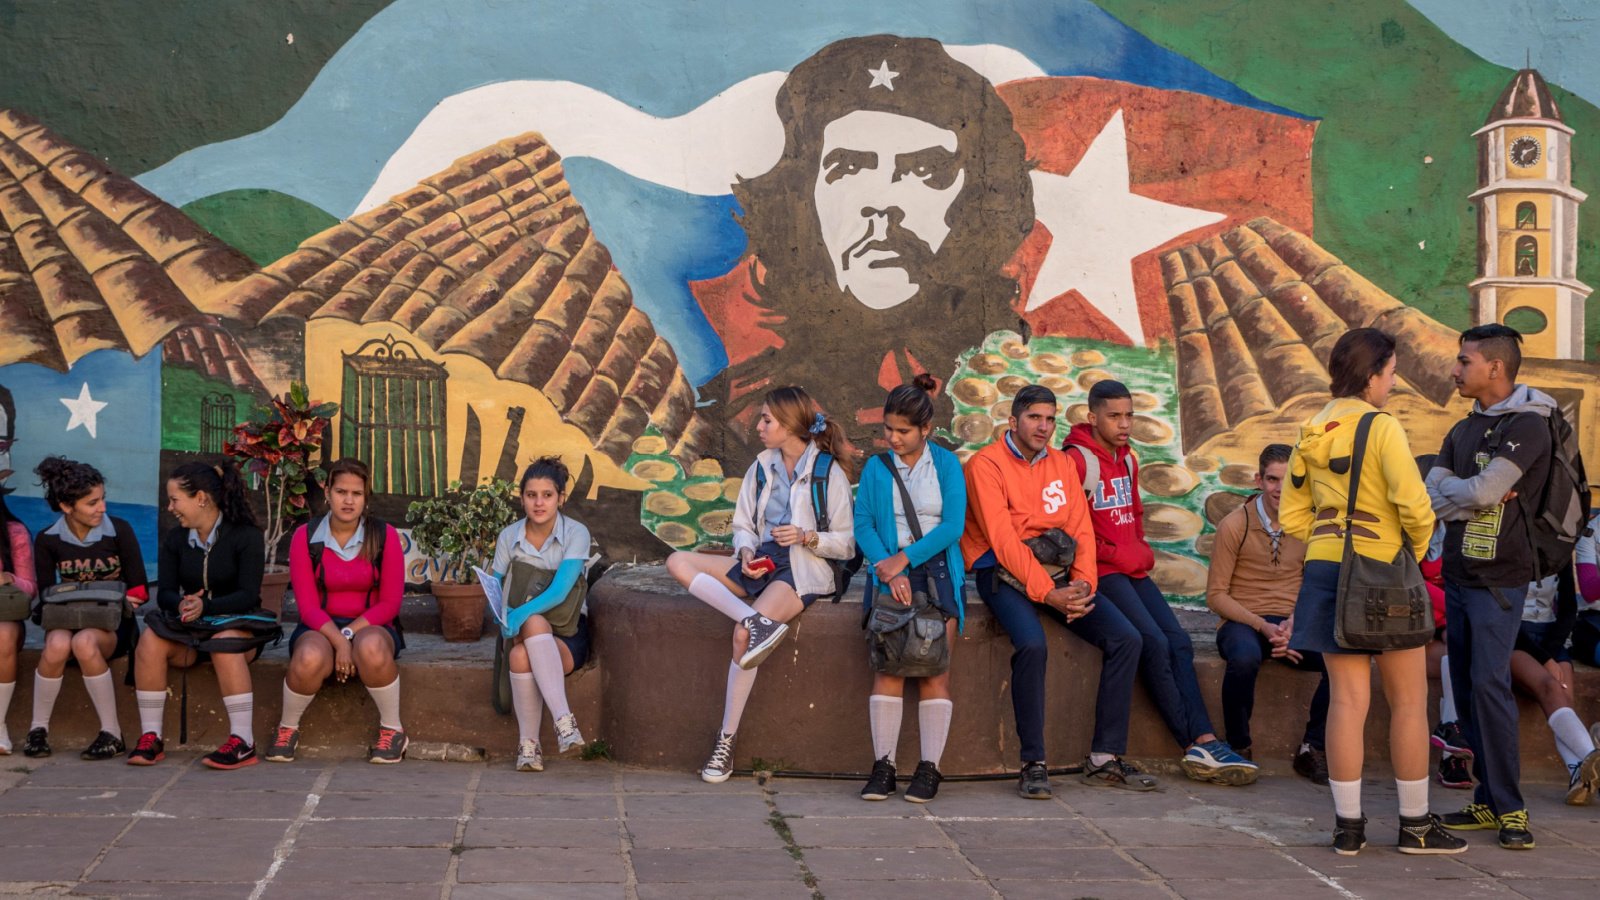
{"x": 1254, "y": 579}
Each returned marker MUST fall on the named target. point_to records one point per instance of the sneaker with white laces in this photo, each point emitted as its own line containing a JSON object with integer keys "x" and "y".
{"x": 529, "y": 759}
{"x": 1215, "y": 761}
{"x": 720, "y": 766}
{"x": 765, "y": 635}
{"x": 569, "y": 739}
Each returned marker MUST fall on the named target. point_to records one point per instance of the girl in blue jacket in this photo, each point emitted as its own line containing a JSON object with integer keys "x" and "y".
{"x": 901, "y": 564}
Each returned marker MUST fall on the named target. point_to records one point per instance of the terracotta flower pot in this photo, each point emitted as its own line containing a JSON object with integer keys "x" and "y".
{"x": 461, "y": 608}
{"x": 274, "y": 584}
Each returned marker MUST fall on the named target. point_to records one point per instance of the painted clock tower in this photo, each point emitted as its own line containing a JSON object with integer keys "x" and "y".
{"x": 1528, "y": 223}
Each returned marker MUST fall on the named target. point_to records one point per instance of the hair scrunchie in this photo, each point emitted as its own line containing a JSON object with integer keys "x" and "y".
{"x": 819, "y": 424}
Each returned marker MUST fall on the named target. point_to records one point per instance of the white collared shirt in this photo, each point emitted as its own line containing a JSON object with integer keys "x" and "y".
{"x": 922, "y": 482}
{"x": 194, "y": 536}
{"x": 98, "y": 533}
{"x": 569, "y": 539}
{"x": 324, "y": 535}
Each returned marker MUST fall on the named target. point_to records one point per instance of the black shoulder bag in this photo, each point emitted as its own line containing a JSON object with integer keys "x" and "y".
{"x": 1381, "y": 606}
{"x": 908, "y": 641}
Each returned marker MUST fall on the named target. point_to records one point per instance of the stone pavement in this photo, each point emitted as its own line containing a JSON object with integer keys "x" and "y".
{"x": 472, "y": 831}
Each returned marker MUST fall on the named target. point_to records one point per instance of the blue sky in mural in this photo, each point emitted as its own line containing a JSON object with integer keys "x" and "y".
{"x": 329, "y": 148}
{"x": 1555, "y": 35}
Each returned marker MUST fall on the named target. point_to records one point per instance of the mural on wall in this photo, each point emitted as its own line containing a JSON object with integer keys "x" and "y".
{"x": 505, "y": 254}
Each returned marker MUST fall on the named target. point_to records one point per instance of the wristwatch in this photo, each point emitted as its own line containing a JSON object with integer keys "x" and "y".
{"x": 811, "y": 541}
{"x": 348, "y": 634}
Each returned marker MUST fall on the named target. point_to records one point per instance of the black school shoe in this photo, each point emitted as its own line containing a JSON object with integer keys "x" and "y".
{"x": 233, "y": 754}
{"x": 1313, "y": 764}
{"x": 1349, "y": 835}
{"x": 106, "y": 745}
{"x": 1034, "y": 782}
{"x": 37, "y": 745}
{"x": 1425, "y": 836}
{"x": 148, "y": 751}
{"x": 924, "y": 783}
{"x": 881, "y": 783}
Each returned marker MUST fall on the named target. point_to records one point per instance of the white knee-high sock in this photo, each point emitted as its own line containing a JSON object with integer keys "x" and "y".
{"x": 103, "y": 694}
{"x": 45, "y": 692}
{"x": 1447, "y": 697}
{"x": 1346, "y": 798}
{"x": 740, "y": 681}
{"x": 884, "y": 713}
{"x": 1572, "y": 739}
{"x": 529, "y": 705}
{"x": 294, "y": 706}
{"x": 152, "y": 710}
{"x": 7, "y": 688}
{"x": 1413, "y": 796}
{"x": 387, "y": 699}
{"x": 716, "y": 595}
{"x": 933, "y": 722}
{"x": 241, "y": 715}
{"x": 544, "y": 658}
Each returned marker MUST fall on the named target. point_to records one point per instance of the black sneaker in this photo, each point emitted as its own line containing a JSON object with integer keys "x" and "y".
{"x": 284, "y": 742}
{"x": 1473, "y": 817}
{"x": 880, "y": 784}
{"x": 1034, "y": 783}
{"x": 765, "y": 635}
{"x": 1448, "y": 737}
{"x": 233, "y": 754}
{"x": 1455, "y": 771}
{"x": 1514, "y": 833}
{"x": 389, "y": 748}
{"x": 924, "y": 783}
{"x": 106, "y": 745}
{"x": 1425, "y": 836}
{"x": 1312, "y": 763}
{"x": 1349, "y": 835}
{"x": 148, "y": 751}
{"x": 38, "y": 743}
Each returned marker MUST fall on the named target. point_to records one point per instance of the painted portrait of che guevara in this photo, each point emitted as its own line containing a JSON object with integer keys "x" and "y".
{"x": 878, "y": 240}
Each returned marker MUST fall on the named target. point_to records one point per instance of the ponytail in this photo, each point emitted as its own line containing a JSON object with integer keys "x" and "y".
{"x": 223, "y": 483}
{"x": 831, "y": 439}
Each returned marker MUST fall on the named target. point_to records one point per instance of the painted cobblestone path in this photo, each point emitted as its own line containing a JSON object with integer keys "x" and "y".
{"x": 345, "y": 829}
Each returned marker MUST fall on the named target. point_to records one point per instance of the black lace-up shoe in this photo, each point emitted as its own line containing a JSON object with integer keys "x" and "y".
{"x": 880, "y": 784}
{"x": 924, "y": 783}
{"x": 1034, "y": 783}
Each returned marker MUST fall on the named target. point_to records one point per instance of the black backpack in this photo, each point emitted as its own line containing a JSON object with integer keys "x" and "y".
{"x": 1559, "y": 514}
{"x": 843, "y": 570}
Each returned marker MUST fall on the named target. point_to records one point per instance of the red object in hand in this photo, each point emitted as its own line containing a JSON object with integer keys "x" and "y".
{"x": 763, "y": 565}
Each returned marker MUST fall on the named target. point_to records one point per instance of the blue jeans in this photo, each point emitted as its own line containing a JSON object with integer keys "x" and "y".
{"x": 1244, "y": 650}
{"x": 1480, "y": 635}
{"x": 1166, "y": 662}
{"x": 1105, "y": 627}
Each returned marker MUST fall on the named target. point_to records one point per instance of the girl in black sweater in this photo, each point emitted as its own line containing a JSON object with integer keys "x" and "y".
{"x": 210, "y": 577}
{"x": 83, "y": 545}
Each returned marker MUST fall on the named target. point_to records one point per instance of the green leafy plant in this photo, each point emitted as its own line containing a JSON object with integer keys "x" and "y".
{"x": 462, "y": 524}
{"x": 596, "y": 749}
{"x": 275, "y": 446}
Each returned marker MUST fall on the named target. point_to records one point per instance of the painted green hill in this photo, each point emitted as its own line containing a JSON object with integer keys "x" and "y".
{"x": 264, "y": 225}
{"x": 1394, "y": 158}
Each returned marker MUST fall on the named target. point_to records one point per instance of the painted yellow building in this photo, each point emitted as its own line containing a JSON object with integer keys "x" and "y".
{"x": 1528, "y": 223}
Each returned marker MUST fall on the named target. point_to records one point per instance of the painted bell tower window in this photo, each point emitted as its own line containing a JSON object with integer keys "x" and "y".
{"x": 1527, "y": 256}
{"x": 216, "y": 421}
{"x": 393, "y": 417}
{"x": 1527, "y": 215}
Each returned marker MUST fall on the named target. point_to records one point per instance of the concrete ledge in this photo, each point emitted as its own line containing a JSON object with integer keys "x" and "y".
{"x": 654, "y": 693}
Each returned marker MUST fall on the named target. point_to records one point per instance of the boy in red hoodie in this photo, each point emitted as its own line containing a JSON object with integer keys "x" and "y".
{"x": 1166, "y": 663}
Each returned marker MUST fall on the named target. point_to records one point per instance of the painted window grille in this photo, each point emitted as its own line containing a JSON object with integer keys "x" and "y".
{"x": 1527, "y": 216}
{"x": 216, "y": 421}
{"x": 1527, "y": 256}
{"x": 393, "y": 417}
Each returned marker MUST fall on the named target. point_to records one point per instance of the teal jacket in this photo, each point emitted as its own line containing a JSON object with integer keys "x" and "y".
{"x": 875, "y": 528}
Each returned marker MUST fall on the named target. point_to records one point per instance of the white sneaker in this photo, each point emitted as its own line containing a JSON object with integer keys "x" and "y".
{"x": 567, "y": 734}
{"x": 529, "y": 759}
{"x": 5, "y": 740}
{"x": 720, "y": 766}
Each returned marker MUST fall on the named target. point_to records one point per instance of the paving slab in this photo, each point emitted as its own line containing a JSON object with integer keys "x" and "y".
{"x": 1305, "y": 888}
{"x": 409, "y": 832}
{"x": 65, "y": 862}
{"x": 164, "y": 890}
{"x": 230, "y": 804}
{"x": 389, "y": 804}
{"x": 566, "y": 865}
{"x": 695, "y": 806}
{"x": 1244, "y": 863}
{"x": 541, "y": 833}
{"x": 723, "y": 890}
{"x": 544, "y": 806}
{"x": 191, "y": 860}
{"x": 1030, "y": 834}
{"x": 888, "y": 864}
{"x": 1099, "y": 890}
{"x": 337, "y": 865}
{"x": 692, "y": 866}
{"x": 543, "y": 890}
{"x": 1088, "y": 864}
{"x": 867, "y": 833}
{"x": 79, "y": 801}
{"x": 907, "y": 890}
{"x": 705, "y": 834}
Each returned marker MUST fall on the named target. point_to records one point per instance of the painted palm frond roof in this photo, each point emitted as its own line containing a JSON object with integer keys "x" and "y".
{"x": 1257, "y": 310}
{"x": 494, "y": 258}
{"x": 90, "y": 261}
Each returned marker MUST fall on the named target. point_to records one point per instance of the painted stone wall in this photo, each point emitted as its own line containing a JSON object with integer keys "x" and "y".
{"x": 498, "y": 230}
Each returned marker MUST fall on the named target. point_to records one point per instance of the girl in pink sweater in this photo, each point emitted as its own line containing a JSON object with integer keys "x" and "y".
{"x": 348, "y": 574}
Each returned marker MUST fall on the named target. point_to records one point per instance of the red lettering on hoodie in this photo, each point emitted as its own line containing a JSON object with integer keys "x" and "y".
{"x": 1116, "y": 509}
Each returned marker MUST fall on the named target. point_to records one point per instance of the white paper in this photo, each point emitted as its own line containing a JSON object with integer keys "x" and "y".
{"x": 491, "y": 592}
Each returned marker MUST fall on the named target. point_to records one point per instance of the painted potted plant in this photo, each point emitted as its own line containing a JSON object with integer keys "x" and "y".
{"x": 461, "y": 526}
{"x": 275, "y": 447}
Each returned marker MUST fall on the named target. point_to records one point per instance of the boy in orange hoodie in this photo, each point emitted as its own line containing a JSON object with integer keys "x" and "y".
{"x": 1018, "y": 488}
{"x": 1125, "y": 558}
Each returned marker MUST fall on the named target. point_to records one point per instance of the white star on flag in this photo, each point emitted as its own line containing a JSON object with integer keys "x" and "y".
{"x": 882, "y": 77}
{"x": 1098, "y": 226}
{"x": 84, "y": 410}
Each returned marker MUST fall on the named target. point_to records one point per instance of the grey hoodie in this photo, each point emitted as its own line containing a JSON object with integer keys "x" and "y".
{"x": 1458, "y": 499}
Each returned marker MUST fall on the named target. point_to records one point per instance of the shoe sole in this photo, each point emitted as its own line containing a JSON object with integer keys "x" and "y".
{"x": 1040, "y": 796}
{"x": 1351, "y": 852}
{"x": 229, "y": 767}
{"x": 1229, "y": 775}
{"x": 1528, "y": 846}
{"x": 141, "y": 761}
{"x": 715, "y": 779}
{"x": 380, "y": 761}
{"x": 1457, "y": 785}
{"x": 43, "y": 755}
{"x": 530, "y": 767}
{"x": 755, "y": 656}
{"x": 1475, "y": 826}
{"x": 1433, "y": 851}
{"x": 1588, "y": 781}
{"x": 572, "y": 750}
{"x": 913, "y": 799}
{"x": 279, "y": 758}
{"x": 876, "y": 796}
{"x": 87, "y": 758}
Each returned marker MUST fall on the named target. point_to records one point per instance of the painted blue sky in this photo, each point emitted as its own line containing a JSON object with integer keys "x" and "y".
{"x": 1557, "y": 36}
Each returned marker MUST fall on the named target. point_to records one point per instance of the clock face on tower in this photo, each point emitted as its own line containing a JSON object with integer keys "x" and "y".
{"x": 1524, "y": 152}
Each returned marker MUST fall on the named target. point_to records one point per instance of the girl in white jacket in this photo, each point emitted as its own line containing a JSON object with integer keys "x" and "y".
{"x": 782, "y": 554}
